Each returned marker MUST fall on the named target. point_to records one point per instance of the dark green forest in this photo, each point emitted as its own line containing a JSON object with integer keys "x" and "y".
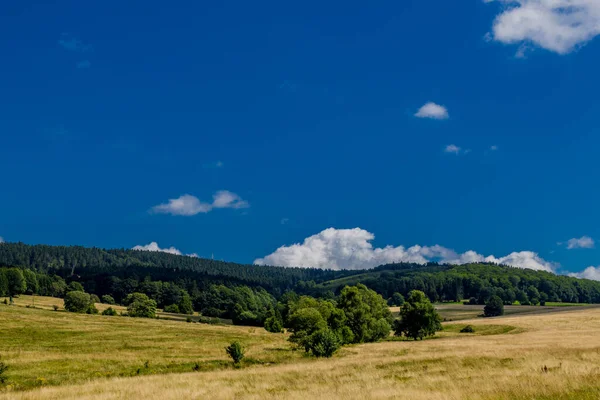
{"x": 247, "y": 294}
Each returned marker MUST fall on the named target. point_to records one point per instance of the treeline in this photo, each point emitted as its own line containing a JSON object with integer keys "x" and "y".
{"x": 215, "y": 288}
{"x": 94, "y": 264}
{"x": 475, "y": 282}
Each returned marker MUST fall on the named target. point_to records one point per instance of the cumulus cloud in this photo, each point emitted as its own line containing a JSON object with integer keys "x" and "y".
{"x": 352, "y": 249}
{"x": 153, "y": 246}
{"x": 451, "y": 148}
{"x": 584, "y": 242}
{"x": 591, "y": 272}
{"x": 433, "y": 111}
{"x": 188, "y": 205}
{"x": 560, "y": 26}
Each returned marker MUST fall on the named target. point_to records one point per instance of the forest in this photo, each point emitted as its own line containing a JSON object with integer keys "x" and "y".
{"x": 248, "y": 294}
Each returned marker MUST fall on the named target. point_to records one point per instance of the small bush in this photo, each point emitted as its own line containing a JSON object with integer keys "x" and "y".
{"x": 5, "y": 301}
{"x": 92, "y": 309}
{"x": 236, "y": 352}
{"x": 188, "y": 319}
{"x": 77, "y": 301}
{"x": 273, "y": 325}
{"x": 472, "y": 301}
{"x": 108, "y": 299}
{"x": 3, "y": 368}
{"x": 55, "y": 307}
{"x": 467, "y": 329}
{"x": 172, "y": 308}
{"x": 94, "y": 298}
{"x": 109, "y": 311}
{"x": 324, "y": 343}
{"x": 494, "y": 307}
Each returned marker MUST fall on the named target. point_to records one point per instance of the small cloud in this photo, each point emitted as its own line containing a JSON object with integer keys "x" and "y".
{"x": 493, "y": 148}
{"x": 83, "y": 64}
{"x": 284, "y": 221}
{"x": 216, "y": 164}
{"x": 188, "y": 205}
{"x": 71, "y": 43}
{"x": 432, "y": 111}
{"x": 1, "y": 239}
{"x": 584, "y": 242}
{"x": 451, "y": 148}
{"x": 153, "y": 246}
{"x": 219, "y": 164}
{"x": 227, "y": 199}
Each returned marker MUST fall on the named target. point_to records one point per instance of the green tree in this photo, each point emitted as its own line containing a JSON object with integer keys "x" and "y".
{"x": 75, "y": 287}
{"x": 31, "y": 282}
{"x": 185, "y": 303}
{"x": 396, "y": 300}
{"x": 108, "y": 299}
{"x": 274, "y": 323}
{"x": 109, "y": 311}
{"x": 172, "y": 308}
{"x": 140, "y": 305}
{"x": 418, "y": 317}
{"x": 543, "y": 298}
{"x": 494, "y": 307}
{"x": 303, "y": 323}
{"x": 365, "y": 310}
{"x": 77, "y": 301}
{"x": 236, "y": 351}
{"x": 16, "y": 281}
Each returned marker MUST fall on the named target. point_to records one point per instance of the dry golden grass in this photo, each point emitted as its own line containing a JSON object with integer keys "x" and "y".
{"x": 549, "y": 356}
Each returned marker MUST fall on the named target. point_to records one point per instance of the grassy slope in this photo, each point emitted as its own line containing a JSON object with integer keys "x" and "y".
{"x": 498, "y": 362}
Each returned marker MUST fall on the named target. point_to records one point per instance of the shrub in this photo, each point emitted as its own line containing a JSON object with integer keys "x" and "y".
{"x": 109, "y": 311}
{"x": 92, "y": 309}
{"x": 55, "y": 307}
{"x": 172, "y": 308}
{"x": 77, "y": 301}
{"x": 235, "y": 351}
{"x": 140, "y": 305}
{"x": 94, "y": 299}
{"x": 472, "y": 301}
{"x": 494, "y": 307}
{"x": 5, "y": 301}
{"x": 188, "y": 319}
{"x": 3, "y": 368}
{"x": 467, "y": 329}
{"x": 396, "y": 300}
{"x": 108, "y": 299}
{"x": 75, "y": 287}
{"x": 273, "y": 325}
{"x": 418, "y": 317}
{"x": 324, "y": 343}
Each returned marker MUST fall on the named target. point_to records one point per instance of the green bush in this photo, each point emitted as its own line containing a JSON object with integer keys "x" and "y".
{"x": 172, "y": 308}
{"x": 55, "y": 307}
{"x": 77, "y": 301}
{"x": 108, "y": 299}
{"x": 236, "y": 351}
{"x": 140, "y": 305}
{"x": 494, "y": 307}
{"x": 3, "y": 369}
{"x": 418, "y": 317}
{"x": 324, "y": 343}
{"x": 75, "y": 287}
{"x": 92, "y": 309}
{"x": 94, "y": 299}
{"x": 467, "y": 329}
{"x": 109, "y": 311}
{"x": 273, "y": 325}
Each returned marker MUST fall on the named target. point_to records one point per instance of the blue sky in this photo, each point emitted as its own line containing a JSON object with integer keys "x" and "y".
{"x": 279, "y": 121}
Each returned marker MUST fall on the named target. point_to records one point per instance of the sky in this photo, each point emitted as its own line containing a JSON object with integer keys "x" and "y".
{"x": 336, "y": 134}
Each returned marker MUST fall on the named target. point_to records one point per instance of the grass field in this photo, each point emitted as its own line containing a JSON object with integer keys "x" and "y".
{"x": 58, "y": 355}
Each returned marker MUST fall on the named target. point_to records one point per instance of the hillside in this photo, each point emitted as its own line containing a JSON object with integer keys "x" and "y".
{"x": 120, "y": 272}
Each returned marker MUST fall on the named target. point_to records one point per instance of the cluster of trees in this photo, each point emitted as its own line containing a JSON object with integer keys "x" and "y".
{"x": 357, "y": 315}
{"x": 478, "y": 282}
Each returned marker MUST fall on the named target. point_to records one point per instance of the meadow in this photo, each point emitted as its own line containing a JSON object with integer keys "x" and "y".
{"x": 58, "y": 355}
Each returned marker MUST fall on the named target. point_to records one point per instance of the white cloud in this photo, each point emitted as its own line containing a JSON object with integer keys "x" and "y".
{"x": 71, "y": 43}
{"x": 451, "y": 148}
{"x": 584, "y": 242}
{"x": 493, "y": 148}
{"x": 1, "y": 239}
{"x": 153, "y": 246}
{"x": 352, "y": 249}
{"x": 433, "y": 111}
{"x": 188, "y": 205}
{"x": 560, "y": 26}
{"x": 592, "y": 273}
{"x": 227, "y": 199}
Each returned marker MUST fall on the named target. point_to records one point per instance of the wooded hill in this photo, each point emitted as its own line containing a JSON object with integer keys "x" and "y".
{"x": 120, "y": 272}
